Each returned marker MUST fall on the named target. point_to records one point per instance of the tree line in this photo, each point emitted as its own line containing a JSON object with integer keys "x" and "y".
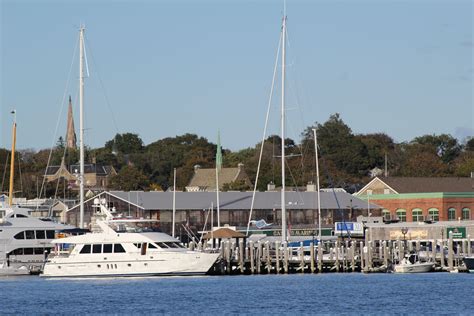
{"x": 346, "y": 160}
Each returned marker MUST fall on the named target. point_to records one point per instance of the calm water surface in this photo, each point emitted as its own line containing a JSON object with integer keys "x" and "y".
{"x": 355, "y": 293}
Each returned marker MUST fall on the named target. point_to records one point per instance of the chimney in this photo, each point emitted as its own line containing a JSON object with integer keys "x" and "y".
{"x": 271, "y": 186}
{"x": 196, "y": 168}
{"x": 311, "y": 187}
{"x": 240, "y": 166}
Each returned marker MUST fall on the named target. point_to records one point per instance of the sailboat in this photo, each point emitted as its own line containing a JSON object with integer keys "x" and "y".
{"x": 284, "y": 232}
{"x": 121, "y": 246}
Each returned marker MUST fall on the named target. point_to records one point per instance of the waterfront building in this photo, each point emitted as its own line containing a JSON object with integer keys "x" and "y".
{"x": 411, "y": 199}
{"x": 192, "y": 209}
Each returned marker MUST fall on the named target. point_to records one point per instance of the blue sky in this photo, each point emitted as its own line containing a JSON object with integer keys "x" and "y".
{"x": 164, "y": 68}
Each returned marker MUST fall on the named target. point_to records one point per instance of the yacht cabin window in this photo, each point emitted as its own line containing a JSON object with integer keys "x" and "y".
{"x": 86, "y": 249}
{"x": 40, "y": 234}
{"x": 28, "y": 251}
{"x": 50, "y": 234}
{"x": 152, "y": 246}
{"x": 107, "y": 248}
{"x": 30, "y": 234}
{"x": 118, "y": 248}
{"x": 20, "y": 235}
{"x": 97, "y": 248}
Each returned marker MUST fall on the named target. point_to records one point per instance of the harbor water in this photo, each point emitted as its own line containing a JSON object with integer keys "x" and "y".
{"x": 349, "y": 293}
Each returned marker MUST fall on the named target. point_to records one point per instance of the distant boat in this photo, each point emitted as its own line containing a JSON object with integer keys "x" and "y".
{"x": 469, "y": 263}
{"x": 411, "y": 264}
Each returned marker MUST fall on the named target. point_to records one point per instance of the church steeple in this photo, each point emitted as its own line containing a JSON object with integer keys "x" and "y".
{"x": 70, "y": 133}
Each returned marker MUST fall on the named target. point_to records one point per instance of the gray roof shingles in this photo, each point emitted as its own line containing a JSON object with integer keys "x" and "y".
{"x": 240, "y": 200}
{"x": 429, "y": 184}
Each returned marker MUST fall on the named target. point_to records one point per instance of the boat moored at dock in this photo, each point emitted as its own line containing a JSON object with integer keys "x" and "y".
{"x": 124, "y": 247}
{"x": 469, "y": 263}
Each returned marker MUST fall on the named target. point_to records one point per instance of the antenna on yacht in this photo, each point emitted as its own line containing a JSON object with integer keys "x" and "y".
{"x": 12, "y": 162}
{"x": 283, "y": 59}
{"x": 81, "y": 126}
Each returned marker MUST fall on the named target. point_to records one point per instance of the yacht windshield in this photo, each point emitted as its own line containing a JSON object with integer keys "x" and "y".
{"x": 135, "y": 226}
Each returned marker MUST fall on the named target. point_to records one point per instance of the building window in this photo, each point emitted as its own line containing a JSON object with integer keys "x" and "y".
{"x": 402, "y": 215}
{"x": 451, "y": 214}
{"x": 466, "y": 214}
{"x": 386, "y": 214}
{"x": 434, "y": 213}
{"x": 417, "y": 215}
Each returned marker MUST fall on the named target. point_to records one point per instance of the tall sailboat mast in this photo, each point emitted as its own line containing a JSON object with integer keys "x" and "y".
{"x": 317, "y": 183}
{"x": 12, "y": 161}
{"x": 283, "y": 202}
{"x": 81, "y": 127}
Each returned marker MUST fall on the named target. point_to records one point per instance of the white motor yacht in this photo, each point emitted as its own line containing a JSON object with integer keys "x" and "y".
{"x": 124, "y": 247}
{"x": 24, "y": 240}
{"x": 412, "y": 264}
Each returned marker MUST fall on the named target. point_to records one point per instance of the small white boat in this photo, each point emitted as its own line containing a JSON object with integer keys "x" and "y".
{"x": 412, "y": 264}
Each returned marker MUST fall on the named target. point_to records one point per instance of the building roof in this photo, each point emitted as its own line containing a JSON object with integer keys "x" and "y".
{"x": 239, "y": 200}
{"x": 429, "y": 184}
{"x": 407, "y": 185}
{"x": 206, "y": 177}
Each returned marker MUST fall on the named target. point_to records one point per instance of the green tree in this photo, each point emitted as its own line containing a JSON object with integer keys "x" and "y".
{"x": 126, "y": 143}
{"x": 444, "y": 145}
{"x": 129, "y": 178}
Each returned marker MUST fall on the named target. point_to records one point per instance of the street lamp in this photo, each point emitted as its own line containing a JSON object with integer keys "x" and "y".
{"x": 404, "y": 232}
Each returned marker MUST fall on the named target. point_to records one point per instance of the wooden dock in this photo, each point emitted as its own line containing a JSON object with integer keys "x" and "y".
{"x": 334, "y": 256}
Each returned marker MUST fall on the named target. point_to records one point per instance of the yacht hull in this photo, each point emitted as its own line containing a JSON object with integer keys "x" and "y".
{"x": 160, "y": 264}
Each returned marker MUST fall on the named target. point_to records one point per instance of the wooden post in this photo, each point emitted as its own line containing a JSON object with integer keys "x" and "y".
{"x": 441, "y": 250}
{"x": 277, "y": 256}
{"x": 311, "y": 254}
{"x": 469, "y": 250}
{"x": 369, "y": 256}
{"x": 320, "y": 257}
{"x": 259, "y": 257}
{"x": 241, "y": 256}
{"x": 285, "y": 254}
{"x": 252, "y": 257}
{"x": 401, "y": 253}
{"x": 433, "y": 250}
{"x": 336, "y": 251}
{"x": 450, "y": 251}
{"x": 353, "y": 256}
{"x": 269, "y": 258}
{"x": 301, "y": 257}
{"x": 386, "y": 255}
{"x": 361, "y": 256}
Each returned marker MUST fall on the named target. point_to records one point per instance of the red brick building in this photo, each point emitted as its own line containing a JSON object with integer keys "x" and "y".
{"x": 418, "y": 199}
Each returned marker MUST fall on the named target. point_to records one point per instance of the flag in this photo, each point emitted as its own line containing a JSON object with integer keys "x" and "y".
{"x": 219, "y": 152}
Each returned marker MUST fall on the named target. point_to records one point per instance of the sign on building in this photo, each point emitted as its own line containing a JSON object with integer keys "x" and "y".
{"x": 349, "y": 228}
{"x": 458, "y": 232}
